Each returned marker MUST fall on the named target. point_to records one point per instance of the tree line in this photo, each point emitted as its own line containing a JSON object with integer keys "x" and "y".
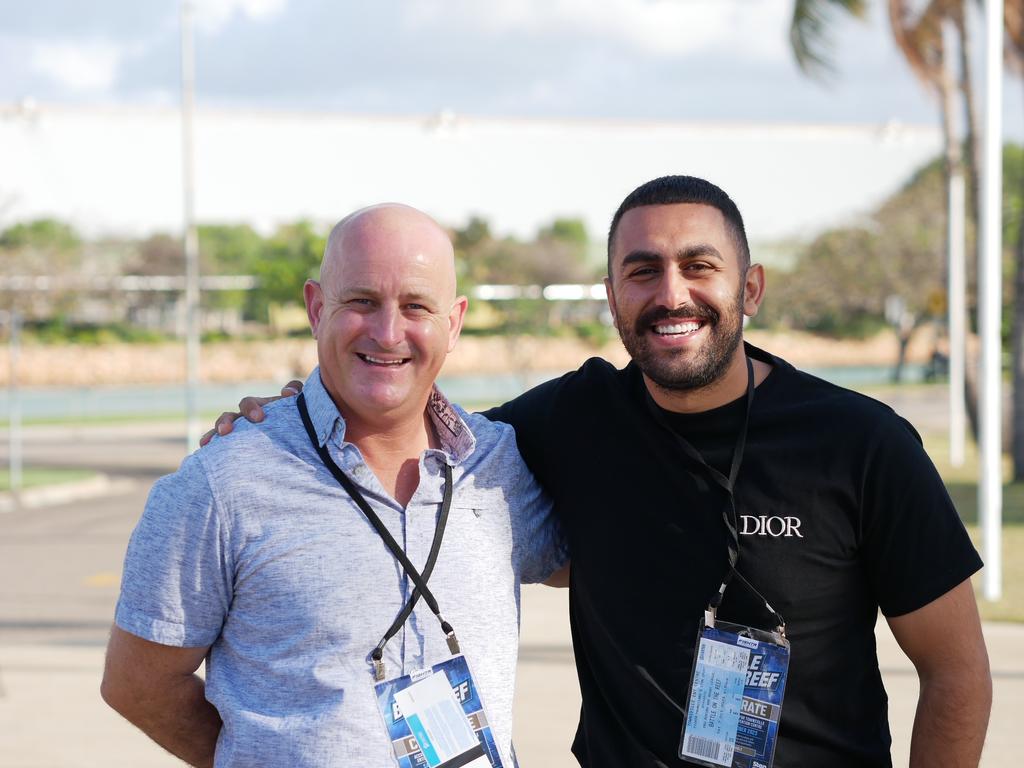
{"x": 838, "y": 284}
{"x": 44, "y": 264}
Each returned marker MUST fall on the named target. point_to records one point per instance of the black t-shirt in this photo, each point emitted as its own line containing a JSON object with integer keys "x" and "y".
{"x": 840, "y": 513}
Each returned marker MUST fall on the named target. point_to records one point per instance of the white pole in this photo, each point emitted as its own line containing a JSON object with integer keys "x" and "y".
{"x": 957, "y": 318}
{"x": 191, "y": 236}
{"x": 990, "y": 304}
{"x": 14, "y": 409}
{"x": 956, "y": 258}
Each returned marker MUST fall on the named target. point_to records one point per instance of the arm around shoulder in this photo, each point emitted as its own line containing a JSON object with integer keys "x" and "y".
{"x": 155, "y": 688}
{"x": 944, "y": 641}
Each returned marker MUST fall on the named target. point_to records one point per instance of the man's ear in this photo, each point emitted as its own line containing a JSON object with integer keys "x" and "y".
{"x": 314, "y": 296}
{"x": 456, "y": 317}
{"x": 753, "y": 289}
{"x": 610, "y": 293}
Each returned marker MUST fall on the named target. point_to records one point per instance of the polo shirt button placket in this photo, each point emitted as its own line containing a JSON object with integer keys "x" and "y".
{"x": 421, "y": 518}
{"x": 413, "y": 630}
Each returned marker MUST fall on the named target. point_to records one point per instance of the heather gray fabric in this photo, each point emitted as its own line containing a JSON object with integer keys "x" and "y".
{"x": 253, "y": 548}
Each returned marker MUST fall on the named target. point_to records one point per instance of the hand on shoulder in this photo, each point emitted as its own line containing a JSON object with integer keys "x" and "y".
{"x": 249, "y": 408}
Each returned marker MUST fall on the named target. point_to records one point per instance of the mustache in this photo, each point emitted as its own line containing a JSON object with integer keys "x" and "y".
{"x": 655, "y": 314}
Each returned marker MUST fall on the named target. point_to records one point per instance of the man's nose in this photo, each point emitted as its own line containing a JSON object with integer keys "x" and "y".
{"x": 673, "y": 290}
{"x": 387, "y": 327}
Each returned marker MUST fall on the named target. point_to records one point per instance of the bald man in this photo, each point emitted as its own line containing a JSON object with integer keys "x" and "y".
{"x": 281, "y": 577}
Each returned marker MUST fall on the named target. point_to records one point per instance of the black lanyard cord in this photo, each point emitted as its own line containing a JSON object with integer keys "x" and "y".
{"x": 728, "y": 484}
{"x": 418, "y": 579}
{"x": 435, "y": 548}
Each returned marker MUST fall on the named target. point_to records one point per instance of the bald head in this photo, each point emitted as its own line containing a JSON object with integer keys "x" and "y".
{"x": 393, "y": 232}
{"x": 384, "y": 313}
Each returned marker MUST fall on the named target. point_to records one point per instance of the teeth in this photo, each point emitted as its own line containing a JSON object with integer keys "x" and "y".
{"x": 678, "y": 328}
{"x": 378, "y": 361}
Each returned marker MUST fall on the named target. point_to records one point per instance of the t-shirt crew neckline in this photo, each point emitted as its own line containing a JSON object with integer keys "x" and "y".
{"x": 728, "y": 413}
{"x": 713, "y": 432}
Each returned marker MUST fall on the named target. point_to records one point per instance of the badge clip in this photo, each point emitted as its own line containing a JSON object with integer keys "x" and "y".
{"x": 453, "y": 643}
{"x": 377, "y": 659}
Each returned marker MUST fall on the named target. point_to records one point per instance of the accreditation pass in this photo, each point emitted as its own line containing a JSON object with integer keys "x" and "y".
{"x": 715, "y": 702}
{"x": 439, "y": 724}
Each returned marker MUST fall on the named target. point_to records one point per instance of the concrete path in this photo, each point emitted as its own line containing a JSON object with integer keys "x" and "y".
{"x": 51, "y": 715}
{"x": 548, "y": 696}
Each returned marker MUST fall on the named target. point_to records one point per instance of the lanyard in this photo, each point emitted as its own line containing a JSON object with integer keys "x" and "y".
{"x": 728, "y": 484}
{"x": 420, "y": 580}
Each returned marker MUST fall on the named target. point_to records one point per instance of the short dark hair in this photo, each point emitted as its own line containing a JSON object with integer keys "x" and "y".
{"x": 668, "y": 190}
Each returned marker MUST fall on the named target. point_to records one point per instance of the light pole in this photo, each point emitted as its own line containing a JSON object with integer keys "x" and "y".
{"x": 191, "y": 236}
{"x": 13, "y": 401}
{"x": 990, "y": 305}
{"x": 956, "y": 267}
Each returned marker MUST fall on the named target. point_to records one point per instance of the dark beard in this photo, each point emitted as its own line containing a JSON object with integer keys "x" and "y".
{"x": 703, "y": 369}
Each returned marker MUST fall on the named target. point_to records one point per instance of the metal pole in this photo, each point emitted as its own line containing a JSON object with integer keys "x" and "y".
{"x": 191, "y": 236}
{"x": 990, "y": 304}
{"x": 14, "y": 409}
{"x": 955, "y": 255}
{"x": 957, "y": 319}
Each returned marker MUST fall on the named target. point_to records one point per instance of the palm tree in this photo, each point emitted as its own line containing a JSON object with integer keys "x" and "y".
{"x": 921, "y": 39}
{"x": 918, "y": 32}
{"x": 809, "y": 31}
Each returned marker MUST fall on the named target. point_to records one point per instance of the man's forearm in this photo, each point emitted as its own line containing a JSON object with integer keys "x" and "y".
{"x": 178, "y": 718}
{"x": 951, "y": 720}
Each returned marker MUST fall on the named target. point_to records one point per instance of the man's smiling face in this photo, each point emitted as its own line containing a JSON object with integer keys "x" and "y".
{"x": 677, "y": 292}
{"x": 384, "y": 313}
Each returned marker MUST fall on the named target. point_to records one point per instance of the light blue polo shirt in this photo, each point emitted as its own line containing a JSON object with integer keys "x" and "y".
{"x": 254, "y": 549}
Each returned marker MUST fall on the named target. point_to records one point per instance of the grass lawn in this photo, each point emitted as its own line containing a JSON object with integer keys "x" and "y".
{"x": 103, "y": 419}
{"x": 1011, "y": 606}
{"x": 962, "y": 483}
{"x": 32, "y": 477}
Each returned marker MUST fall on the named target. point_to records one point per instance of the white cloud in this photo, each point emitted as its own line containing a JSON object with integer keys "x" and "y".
{"x": 669, "y": 28}
{"x": 211, "y": 15}
{"x": 78, "y": 66}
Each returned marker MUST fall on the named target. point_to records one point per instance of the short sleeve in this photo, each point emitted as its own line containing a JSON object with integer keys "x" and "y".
{"x": 538, "y": 543}
{"x": 176, "y": 585}
{"x": 915, "y": 545}
{"x": 530, "y": 417}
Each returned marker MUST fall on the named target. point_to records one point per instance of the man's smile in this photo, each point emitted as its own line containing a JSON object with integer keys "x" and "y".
{"x": 682, "y": 328}
{"x": 383, "y": 361}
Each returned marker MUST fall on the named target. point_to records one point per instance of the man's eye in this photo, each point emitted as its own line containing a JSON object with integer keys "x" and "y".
{"x": 643, "y": 272}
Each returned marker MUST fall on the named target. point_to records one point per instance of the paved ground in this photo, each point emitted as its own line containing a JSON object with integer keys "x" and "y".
{"x": 59, "y": 571}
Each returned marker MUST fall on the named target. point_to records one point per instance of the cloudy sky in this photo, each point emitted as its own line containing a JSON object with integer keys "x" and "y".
{"x": 618, "y": 59}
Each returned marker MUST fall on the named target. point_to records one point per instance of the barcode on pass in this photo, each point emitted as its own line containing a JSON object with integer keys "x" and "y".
{"x": 700, "y": 747}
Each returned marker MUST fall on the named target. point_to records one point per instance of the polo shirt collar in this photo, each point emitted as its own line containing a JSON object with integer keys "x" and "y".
{"x": 456, "y": 437}
{"x": 457, "y": 440}
{"x": 322, "y": 411}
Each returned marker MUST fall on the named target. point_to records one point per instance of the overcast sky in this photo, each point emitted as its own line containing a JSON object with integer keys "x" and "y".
{"x": 619, "y": 59}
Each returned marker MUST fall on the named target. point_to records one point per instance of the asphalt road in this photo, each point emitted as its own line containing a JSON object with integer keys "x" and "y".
{"x": 60, "y": 566}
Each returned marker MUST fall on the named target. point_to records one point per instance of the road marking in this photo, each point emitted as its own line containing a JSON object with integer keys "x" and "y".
{"x": 102, "y": 579}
